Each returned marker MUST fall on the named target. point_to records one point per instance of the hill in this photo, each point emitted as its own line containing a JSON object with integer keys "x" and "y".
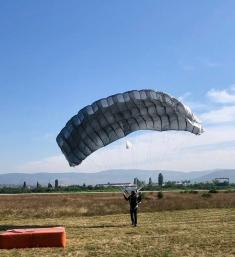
{"x": 217, "y": 174}
{"x": 112, "y": 176}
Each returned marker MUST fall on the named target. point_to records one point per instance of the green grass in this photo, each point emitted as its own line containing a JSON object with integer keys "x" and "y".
{"x": 178, "y": 233}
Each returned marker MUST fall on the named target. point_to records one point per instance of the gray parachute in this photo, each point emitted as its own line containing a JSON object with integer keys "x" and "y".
{"x": 116, "y": 116}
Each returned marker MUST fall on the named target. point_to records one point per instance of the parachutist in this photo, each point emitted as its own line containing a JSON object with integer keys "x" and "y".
{"x": 134, "y": 200}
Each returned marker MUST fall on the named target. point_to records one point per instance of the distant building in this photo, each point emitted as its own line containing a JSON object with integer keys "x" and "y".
{"x": 125, "y": 187}
{"x": 114, "y": 184}
{"x": 222, "y": 180}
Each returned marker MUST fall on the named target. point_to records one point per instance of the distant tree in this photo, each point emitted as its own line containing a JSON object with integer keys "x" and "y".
{"x": 84, "y": 185}
{"x": 135, "y": 181}
{"x": 140, "y": 183}
{"x": 49, "y": 185}
{"x": 24, "y": 185}
{"x": 185, "y": 182}
{"x": 38, "y": 185}
{"x": 56, "y": 183}
{"x": 160, "y": 179}
{"x": 150, "y": 181}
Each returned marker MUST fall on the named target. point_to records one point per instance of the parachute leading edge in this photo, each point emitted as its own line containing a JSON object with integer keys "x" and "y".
{"x": 116, "y": 116}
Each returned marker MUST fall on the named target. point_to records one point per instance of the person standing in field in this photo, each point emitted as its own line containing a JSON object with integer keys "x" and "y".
{"x": 134, "y": 200}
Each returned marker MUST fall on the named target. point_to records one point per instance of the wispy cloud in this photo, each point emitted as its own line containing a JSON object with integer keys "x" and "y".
{"x": 187, "y": 99}
{"x": 154, "y": 150}
{"x": 223, "y": 106}
{"x": 222, "y": 115}
{"x": 224, "y": 96}
{"x": 198, "y": 63}
{"x": 56, "y": 163}
{"x": 210, "y": 64}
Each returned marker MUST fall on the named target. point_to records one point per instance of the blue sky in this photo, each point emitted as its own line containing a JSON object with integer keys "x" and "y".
{"x": 58, "y": 56}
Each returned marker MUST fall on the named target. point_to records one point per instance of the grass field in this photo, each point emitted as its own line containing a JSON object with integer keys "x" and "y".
{"x": 99, "y": 225}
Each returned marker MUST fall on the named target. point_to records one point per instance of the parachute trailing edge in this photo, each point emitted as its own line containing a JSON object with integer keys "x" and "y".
{"x": 116, "y": 116}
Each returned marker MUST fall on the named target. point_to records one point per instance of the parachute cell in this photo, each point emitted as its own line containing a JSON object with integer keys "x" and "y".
{"x": 116, "y": 116}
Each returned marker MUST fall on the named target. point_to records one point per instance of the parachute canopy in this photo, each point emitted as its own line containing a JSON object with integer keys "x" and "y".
{"x": 116, "y": 116}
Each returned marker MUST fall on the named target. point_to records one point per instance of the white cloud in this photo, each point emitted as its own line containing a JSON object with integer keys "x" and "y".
{"x": 55, "y": 163}
{"x": 225, "y": 111}
{"x": 224, "y": 96}
{"x": 222, "y": 115}
{"x": 232, "y": 87}
{"x": 154, "y": 150}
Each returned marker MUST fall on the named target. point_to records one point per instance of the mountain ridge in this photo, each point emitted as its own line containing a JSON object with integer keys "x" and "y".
{"x": 112, "y": 176}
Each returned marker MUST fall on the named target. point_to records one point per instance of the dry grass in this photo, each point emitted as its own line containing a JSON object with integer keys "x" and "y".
{"x": 190, "y": 233}
{"x": 69, "y": 205}
{"x": 198, "y": 232}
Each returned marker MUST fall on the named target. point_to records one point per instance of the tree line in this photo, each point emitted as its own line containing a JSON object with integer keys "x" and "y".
{"x": 150, "y": 186}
